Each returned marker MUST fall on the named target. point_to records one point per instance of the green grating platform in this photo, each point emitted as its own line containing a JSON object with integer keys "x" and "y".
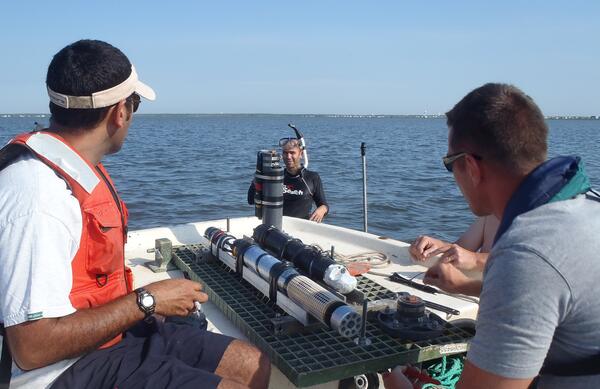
{"x": 321, "y": 355}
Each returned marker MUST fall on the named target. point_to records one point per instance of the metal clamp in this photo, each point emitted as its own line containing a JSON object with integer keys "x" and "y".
{"x": 163, "y": 251}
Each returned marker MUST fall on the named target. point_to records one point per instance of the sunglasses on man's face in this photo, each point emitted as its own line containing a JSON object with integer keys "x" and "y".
{"x": 135, "y": 100}
{"x": 450, "y": 159}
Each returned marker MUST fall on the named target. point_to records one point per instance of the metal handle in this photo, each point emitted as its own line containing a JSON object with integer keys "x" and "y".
{"x": 363, "y": 148}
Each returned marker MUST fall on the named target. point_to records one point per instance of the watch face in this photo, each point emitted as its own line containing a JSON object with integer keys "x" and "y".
{"x": 147, "y": 300}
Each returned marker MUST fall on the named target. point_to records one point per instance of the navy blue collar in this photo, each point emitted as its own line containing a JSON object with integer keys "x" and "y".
{"x": 542, "y": 185}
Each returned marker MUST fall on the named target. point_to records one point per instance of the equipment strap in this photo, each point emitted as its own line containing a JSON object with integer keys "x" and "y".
{"x": 274, "y": 274}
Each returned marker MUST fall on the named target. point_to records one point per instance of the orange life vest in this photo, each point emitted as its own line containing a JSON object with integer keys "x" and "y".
{"x": 98, "y": 268}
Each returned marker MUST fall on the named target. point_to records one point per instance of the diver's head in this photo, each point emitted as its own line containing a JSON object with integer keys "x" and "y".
{"x": 292, "y": 153}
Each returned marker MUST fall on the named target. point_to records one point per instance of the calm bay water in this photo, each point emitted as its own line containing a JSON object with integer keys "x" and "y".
{"x": 183, "y": 168}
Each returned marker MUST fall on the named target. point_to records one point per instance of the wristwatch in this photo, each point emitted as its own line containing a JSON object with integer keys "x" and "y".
{"x": 145, "y": 301}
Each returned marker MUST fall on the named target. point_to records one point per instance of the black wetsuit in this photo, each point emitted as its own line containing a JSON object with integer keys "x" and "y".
{"x": 299, "y": 192}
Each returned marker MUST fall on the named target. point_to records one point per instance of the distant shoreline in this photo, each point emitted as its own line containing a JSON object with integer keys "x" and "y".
{"x": 422, "y": 116}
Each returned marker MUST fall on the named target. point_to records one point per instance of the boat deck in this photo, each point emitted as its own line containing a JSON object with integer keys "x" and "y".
{"x": 294, "y": 357}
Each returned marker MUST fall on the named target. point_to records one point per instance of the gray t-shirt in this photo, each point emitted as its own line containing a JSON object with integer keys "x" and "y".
{"x": 541, "y": 295}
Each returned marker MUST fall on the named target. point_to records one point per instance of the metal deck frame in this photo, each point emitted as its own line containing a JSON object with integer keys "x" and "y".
{"x": 321, "y": 355}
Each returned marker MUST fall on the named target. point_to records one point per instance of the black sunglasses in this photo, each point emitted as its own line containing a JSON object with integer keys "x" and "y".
{"x": 450, "y": 159}
{"x": 135, "y": 100}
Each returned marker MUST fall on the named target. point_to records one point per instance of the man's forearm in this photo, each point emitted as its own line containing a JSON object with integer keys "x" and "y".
{"x": 471, "y": 288}
{"x": 42, "y": 342}
{"x": 481, "y": 260}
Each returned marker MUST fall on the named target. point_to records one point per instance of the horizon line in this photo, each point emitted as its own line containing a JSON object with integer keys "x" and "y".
{"x": 375, "y": 115}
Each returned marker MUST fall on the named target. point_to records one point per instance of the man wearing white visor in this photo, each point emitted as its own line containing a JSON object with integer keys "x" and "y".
{"x": 69, "y": 315}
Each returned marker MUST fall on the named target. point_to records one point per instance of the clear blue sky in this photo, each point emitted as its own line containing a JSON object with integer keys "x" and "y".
{"x": 354, "y": 57}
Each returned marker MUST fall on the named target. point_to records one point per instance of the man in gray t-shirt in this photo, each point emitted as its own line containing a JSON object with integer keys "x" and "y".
{"x": 538, "y": 301}
{"x": 538, "y": 315}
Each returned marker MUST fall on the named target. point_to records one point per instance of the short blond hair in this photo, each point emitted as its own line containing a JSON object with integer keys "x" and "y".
{"x": 292, "y": 143}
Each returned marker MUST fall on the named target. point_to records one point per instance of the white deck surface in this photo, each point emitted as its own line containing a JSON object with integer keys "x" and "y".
{"x": 346, "y": 242}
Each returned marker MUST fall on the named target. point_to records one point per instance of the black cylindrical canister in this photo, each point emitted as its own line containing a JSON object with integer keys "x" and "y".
{"x": 307, "y": 258}
{"x": 268, "y": 183}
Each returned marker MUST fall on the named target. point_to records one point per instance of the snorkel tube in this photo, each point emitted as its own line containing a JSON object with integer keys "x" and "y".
{"x": 300, "y": 138}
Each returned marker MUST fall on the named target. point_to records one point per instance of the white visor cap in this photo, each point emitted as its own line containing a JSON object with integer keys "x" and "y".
{"x": 107, "y": 97}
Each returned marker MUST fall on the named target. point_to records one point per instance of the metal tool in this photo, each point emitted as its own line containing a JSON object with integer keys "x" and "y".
{"x": 441, "y": 308}
{"x": 415, "y": 285}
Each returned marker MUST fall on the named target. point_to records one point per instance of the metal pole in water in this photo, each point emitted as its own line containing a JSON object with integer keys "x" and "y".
{"x": 363, "y": 149}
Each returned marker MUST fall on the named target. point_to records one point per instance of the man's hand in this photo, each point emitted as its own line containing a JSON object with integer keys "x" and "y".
{"x": 319, "y": 214}
{"x": 461, "y": 258}
{"x": 425, "y": 246}
{"x": 38, "y": 343}
{"x": 448, "y": 278}
{"x": 175, "y": 297}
